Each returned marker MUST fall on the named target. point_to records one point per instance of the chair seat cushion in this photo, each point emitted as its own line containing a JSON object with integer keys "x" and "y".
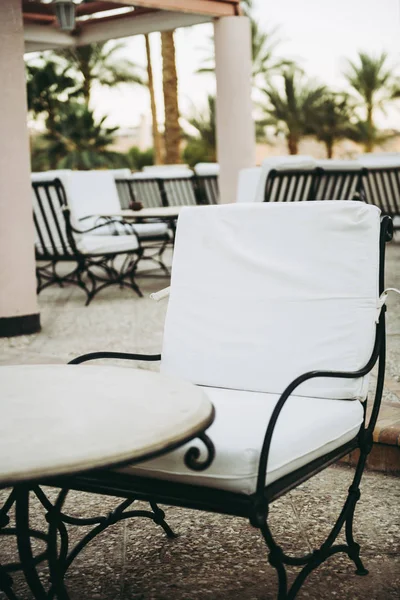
{"x": 307, "y": 428}
{"x": 107, "y": 244}
{"x": 143, "y": 230}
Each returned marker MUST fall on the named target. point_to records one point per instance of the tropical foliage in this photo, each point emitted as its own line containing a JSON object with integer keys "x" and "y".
{"x": 375, "y": 86}
{"x": 100, "y": 63}
{"x": 333, "y": 121}
{"x": 81, "y": 142}
{"x": 202, "y": 147}
{"x": 292, "y": 110}
{"x": 59, "y": 87}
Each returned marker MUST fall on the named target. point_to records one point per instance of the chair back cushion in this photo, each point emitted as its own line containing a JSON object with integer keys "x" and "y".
{"x": 247, "y": 184}
{"x": 91, "y": 193}
{"x": 262, "y": 293}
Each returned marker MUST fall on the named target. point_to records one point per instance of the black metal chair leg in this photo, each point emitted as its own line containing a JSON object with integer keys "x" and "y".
{"x": 6, "y": 584}
{"x": 354, "y": 494}
{"x": 159, "y": 519}
{"x": 275, "y": 559}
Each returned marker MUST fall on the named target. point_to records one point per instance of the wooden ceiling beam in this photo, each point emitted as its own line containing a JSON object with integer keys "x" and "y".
{"x": 213, "y": 8}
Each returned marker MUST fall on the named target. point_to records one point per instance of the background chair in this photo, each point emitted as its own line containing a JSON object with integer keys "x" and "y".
{"x": 60, "y": 238}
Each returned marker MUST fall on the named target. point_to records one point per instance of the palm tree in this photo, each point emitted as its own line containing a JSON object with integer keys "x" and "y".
{"x": 172, "y": 133}
{"x": 98, "y": 62}
{"x": 263, "y": 46}
{"x": 47, "y": 84}
{"x": 81, "y": 142}
{"x": 292, "y": 110}
{"x": 202, "y": 148}
{"x": 375, "y": 85}
{"x": 150, "y": 85}
{"x": 333, "y": 121}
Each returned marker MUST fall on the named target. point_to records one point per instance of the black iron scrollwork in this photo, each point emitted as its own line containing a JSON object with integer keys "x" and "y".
{"x": 192, "y": 455}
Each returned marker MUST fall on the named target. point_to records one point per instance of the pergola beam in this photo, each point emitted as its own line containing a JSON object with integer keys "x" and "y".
{"x": 132, "y": 24}
{"x": 46, "y": 37}
{"x": 212, "y": 8}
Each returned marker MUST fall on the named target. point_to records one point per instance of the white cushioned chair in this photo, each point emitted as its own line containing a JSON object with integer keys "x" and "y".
{"x": 98, "y": 261}
{"x": 275, "y": 310}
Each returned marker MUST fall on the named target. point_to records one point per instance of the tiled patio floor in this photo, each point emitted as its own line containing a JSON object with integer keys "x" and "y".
{"x": 215, "y": 557}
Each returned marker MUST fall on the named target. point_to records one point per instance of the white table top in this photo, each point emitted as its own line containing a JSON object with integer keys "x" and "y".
{"x": 62, "y": 419}
{"x": 161, "y": 212}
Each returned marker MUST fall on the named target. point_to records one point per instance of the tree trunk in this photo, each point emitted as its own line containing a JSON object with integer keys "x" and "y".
{"x": 154, "y": 125}
{"x": 369, "y": 145}
{"x": 329, "y": 149}
{"x": 172, "y": 134}
{"x": 293, "y": 144}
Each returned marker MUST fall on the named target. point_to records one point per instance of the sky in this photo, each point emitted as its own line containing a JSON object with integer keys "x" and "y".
{"x": 319, "y": 34}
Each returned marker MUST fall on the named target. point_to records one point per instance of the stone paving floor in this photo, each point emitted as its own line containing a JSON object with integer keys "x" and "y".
{"x": 214, "y": 557}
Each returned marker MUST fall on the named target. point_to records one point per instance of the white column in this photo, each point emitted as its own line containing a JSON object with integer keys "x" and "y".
{"x": 236, "y": 146}
{"x": 18, "y": 304}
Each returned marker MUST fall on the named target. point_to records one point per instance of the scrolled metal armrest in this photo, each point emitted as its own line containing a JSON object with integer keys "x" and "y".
{"x": 192, "y": 455}
{"x": 379, "y": 347}
{"x": 118, "y": 355}
{"x": 108, "y": 221}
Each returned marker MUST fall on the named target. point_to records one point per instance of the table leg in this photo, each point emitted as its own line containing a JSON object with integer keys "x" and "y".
{"x": 23, "y": 532}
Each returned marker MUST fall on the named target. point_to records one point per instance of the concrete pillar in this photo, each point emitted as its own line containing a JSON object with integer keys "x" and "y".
{"x": 18, "y": 304}
{"x": 236, "y": 146}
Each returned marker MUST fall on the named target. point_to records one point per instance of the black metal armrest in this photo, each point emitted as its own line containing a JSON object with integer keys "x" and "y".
{"x": 377, "y": 352}
{"x": 108, "y": 221}
{"x": 118, "y": 355}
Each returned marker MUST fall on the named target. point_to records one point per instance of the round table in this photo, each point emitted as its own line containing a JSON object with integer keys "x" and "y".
{"x": 62, "y": 420}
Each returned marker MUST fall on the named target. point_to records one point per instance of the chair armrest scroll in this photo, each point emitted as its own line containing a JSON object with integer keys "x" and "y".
{"x": 115, "y": 355}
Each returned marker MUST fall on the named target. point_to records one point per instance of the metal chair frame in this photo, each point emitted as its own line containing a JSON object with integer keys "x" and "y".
{"x": 379, "y": 186}
{"x": 154, "y": 192}
{"x": 253, "y": 507}
{"x": 92, "y": 272}
{"x": 316, "y": 184}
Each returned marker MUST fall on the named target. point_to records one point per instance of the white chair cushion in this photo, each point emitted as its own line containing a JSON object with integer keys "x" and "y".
{"x": 342, "y": 165}
{"x": 377, "y": 161}
{"x": 307, "y": 428}
{"x": 262, "y": 293}
{"x": 107, "y": 244}
{"x": 247, "y": 184}
{"x": 152, "y": 229}
{"x": 166, "y": 172}
{"x": 119, "y": 227}
{"x": 282, "y": 163}
{"x": 120, "y": 173}
{"x": 49, "y": 175}
{"x": 206, "y": 169}
{"x": 91, "y": 193}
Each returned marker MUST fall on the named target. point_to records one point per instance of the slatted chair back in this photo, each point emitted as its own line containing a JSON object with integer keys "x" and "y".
{"x": 337, "y": 180}
{"x": 154, "y": 192}
{"x": 206, "y": 189}
{"x": 261, "y": 294}
{"x": 281, "y": 179}
{"x": 52, "y": 239}
{"x": 180, "y": 190}
{"x": 381, "y": 186}
{"x": 289, "y": 186}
